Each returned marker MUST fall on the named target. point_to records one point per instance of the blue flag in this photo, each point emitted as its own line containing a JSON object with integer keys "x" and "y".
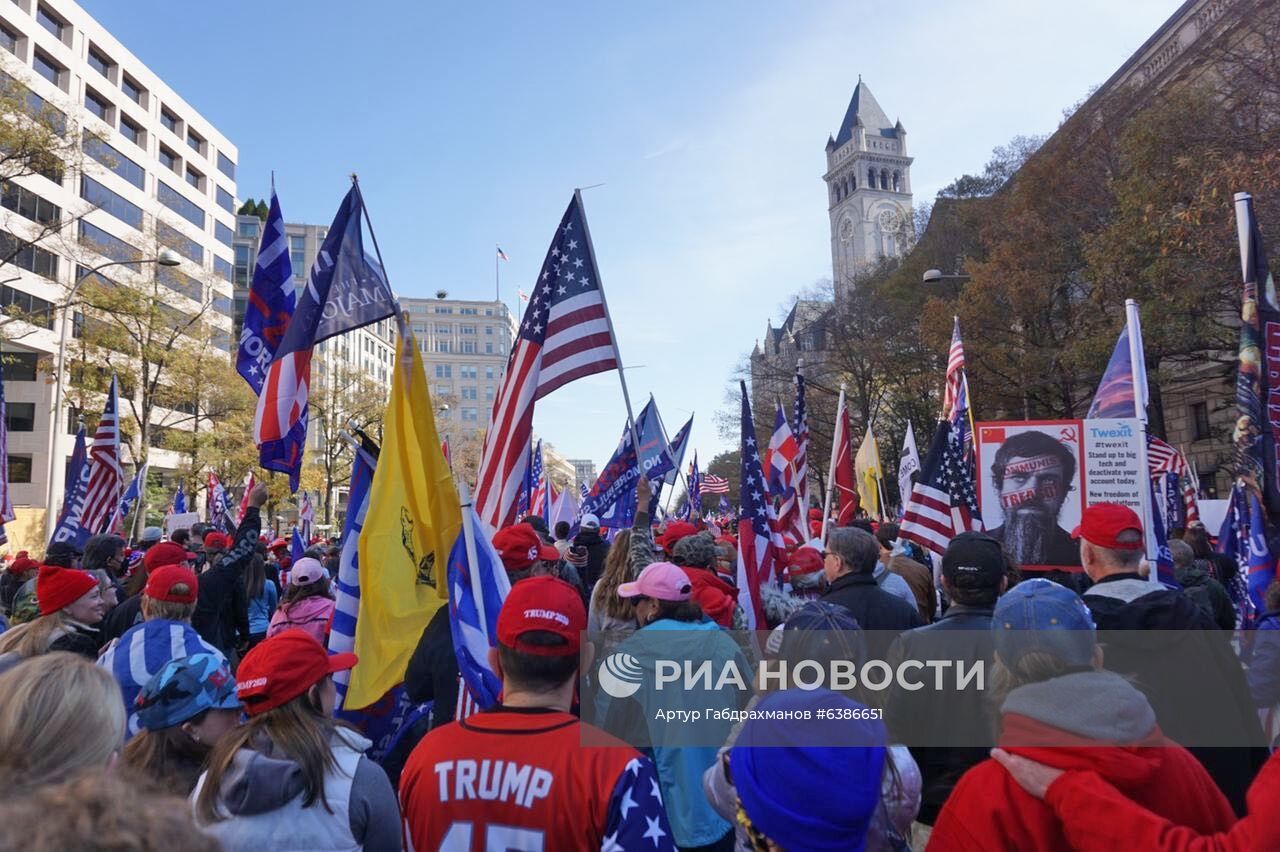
{"x": 272, "y": 298}
{"x": 128, "y": 499}
{"x": 75, "y": 468}
{"x": 1114, "y": 397}
{"x": 695, "y": 485}
{"x": 612, "y": 498}
{"x": 473, "y": 636}
{"x": 297, "y": 547}
{"x": 1164, "y": 557}
{"x": 346, "y": 290}
{"x": 180, "y": 501}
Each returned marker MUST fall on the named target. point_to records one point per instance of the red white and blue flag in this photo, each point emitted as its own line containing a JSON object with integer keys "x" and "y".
{"x": 760, "y": 549}
{"x": 944, "y": 501}
{"x": 955, "y": 399}
{"x": 712, "y": 484}
{"x": 565, "y": 335}
{"x": 271, "y": 300}
{"x": 346, "y": 290}
{"x": 780, "y": 475}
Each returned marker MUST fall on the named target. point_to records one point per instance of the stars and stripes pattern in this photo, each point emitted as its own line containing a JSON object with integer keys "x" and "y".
{"x": 346, "y": 610}
{"x": 565, "y": 335}
{"x": 271, "y": 300}
{"x": 106, "y": 477}
{"x": 944, "y": 502}
{"x": 955, "y": 398}
{"x": 712, "y": 484}
{"x": 1164, "y": 460}
{"x": 476, "y": 593}
{"x": 306, "y": 515}
{"x": 537, "y": 483}
{"x": 780, "y": 477}
{"x": 760, "y": 548}
{"x": 800, "y": 429}
{"x": 502, "y": 255}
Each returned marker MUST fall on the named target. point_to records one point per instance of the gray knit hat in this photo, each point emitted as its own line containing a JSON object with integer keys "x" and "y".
{"x": 698, "y": 551}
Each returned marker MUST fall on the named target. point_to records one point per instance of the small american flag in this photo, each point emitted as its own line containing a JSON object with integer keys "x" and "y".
{"x": 565, "y": 335}
{"x": 712, "y": 484}
{"x": 1163, "y": 458}
{"x": 106, "y": 477}
{"x": 955, "y": 399}
{"x": 944, "y": 502}
{"x": 502, "y": 255}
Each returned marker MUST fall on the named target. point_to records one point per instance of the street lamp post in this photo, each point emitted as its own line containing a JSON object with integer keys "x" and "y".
{"x": 166, "y": 257}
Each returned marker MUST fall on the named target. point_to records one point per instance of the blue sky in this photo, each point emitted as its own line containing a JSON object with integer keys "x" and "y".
{"x": 470, "y": 125}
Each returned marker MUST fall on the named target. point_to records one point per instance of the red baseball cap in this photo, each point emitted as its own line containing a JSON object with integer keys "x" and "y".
{"x": 1101, "y": 523}
{"x": 161, "y": 583}
{"x": 166, "y": 553}
{"x": 806, "y": 560}
{"x": 278, "y": 544}
{"x": 281, "y": 668}
{"x": 676, "y": 530}
{"x": 217, "y": 541}
{"x": 520, "y": 546}
{"x": 539, "y": 603}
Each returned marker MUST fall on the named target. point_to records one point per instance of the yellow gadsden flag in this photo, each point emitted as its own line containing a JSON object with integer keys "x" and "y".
{"x": 867, "y": 468}
{"x": 409, "y": 529}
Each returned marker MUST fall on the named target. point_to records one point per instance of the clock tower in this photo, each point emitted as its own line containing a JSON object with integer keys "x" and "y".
{"x": 868, "y": 187}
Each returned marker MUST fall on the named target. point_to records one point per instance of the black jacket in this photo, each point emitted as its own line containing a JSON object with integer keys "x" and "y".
{"x": 432, "y": 674}
{"x": 1184, "y": 664}
{"x": 85, "y": 641}
{"x": 222, "y": 609}
{"x": 876, "y": 610}
{"x": 963, "y": 634}
{"x": 597, "y": 551}
{"x": 1207, "y": 593}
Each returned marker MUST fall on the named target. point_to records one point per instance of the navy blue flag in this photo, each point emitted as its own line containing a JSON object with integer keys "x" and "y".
{"x": 695, "y": 485}
{"x": 180, "y": 501}
{"x": 272, "y": 298}
{"x": 346, "y": 290}
{"x": 75, "y": 468}
{"x": 612, "y": 498}
{"x": 297, "y": 547}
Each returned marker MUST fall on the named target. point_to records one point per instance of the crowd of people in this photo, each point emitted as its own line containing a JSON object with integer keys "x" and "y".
{"x": 178, "y": 693}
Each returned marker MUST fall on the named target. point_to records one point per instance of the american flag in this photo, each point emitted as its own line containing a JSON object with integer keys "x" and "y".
{"x": 955, "y": 399}
{"x": 712, "y": 484}
{"x": 801, "y": 430}
{"x": 1163, "y": 458}
{"x": 759, "y": 546}
{"x": 218, "y": 504}
{"x": 565, "y": 335}
{"x": 537, "y": 483}
{"x": 944, "y": 502}
{"x": 502, "y": 255}
{"x": 780, "y": 476}
{"x": 106, "y": 478}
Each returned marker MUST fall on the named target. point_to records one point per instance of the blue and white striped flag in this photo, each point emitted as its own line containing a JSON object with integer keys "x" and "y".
{"x": 472, "y": 635}
{"x": 272, "y": 298}
{"x": 342, "y": 635}
{"x": 128, "y": 499}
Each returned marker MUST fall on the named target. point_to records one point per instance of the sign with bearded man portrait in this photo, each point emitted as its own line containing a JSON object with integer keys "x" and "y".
{"x": 1030, "y": 490}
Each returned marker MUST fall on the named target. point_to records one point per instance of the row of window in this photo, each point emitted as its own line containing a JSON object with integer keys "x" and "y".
{"x": 468, "y": 347}
{"x": 465, "y": 371}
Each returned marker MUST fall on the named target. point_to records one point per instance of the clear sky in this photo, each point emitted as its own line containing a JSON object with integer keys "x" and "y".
{"x": 471, "y": 123}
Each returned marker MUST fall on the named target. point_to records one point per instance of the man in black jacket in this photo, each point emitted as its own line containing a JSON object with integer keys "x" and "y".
{"x": 973, "y": 577}
{"x": 597, "y": 549}
{"x": 222, "y": 609}
{"x": 849, "y": 565}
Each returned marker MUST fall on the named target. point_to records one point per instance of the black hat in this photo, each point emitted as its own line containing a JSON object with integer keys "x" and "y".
{"x": 974, "y": 561}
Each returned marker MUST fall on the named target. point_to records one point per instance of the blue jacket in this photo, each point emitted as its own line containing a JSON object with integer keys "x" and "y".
{"x": 1264, "y": 666}
{"x": 262, "y": 608}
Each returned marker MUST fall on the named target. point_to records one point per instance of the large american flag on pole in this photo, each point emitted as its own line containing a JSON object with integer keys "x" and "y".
{"x": 565, "y": 335}
{"x": 106, "y": 477}
{"x": 944, "y": 502}
{"x": 760, "y": 548}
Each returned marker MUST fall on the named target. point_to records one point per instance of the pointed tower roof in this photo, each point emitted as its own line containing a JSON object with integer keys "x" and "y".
{"x": 864, "y": 109}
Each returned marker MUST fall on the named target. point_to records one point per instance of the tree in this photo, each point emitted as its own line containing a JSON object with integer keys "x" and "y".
{"x": 249, "y": 208}
{"x": 262, "y": 210}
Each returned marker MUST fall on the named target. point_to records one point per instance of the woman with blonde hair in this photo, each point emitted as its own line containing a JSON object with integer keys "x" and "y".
{"x": 59, "y": 715}
{"x": 71, "y": 608}
{"x": 291, "y": 778}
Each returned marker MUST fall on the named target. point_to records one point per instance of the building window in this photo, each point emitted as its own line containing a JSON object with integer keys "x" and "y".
{"x": 241, "y": 274}
{"x": 444, "y": 310}
{"x": 471, "y": 311}
{"x": 131, "y": 90}
{"x": 19, "y": 366}
{"x": 168, "y": 159}
{"x": 488, "y": 373}
{"x": 488, "y": 329}
{"x": 443, "y": 329}
{"x": 195, "y": 178}
{"x": 180, "y": 282}
{"x": 48, "y": 69}
{"x": 30, "y": 308}
{"x": 131, "y": 131}
{"x": 50, "y": 22}
{"x": 468, "y": 371}
{"x": 108, "y": 201}
{"x": 169, "y": 120}
{"x": 99, "y": 62}
{"x": 28, "y": 205}
{"x": 298, "y": 255}
{"x": 114, "y": 160}
{"x": 1200, "y": 430}
{"x": 179, "y": 242}
{"x": 468, "y": 347}
{"x": 178, "y": 203}
{"x": 105, "y": 244}
{"x": 20, "y": 416}
{"x": 97, "y": 105}
{"x": 469, "y": 415}
{"x": 222, "y": 267}
{"x": 468, "y": 393}
{"x": 488, "y": 393}
{"x": 444, "y": 371}
{"x": 225, "y": 165}
{"x": 247, "y": 226}
{"x": 468, "y": 329}
{"x": 488, "y": 348}
{"x": 19, "y": 470}
{"x": 24, "y": 255}
{"x": 225, "y": 201}
{"x": 194, "y": 142}
{"x": 8, "y": 39}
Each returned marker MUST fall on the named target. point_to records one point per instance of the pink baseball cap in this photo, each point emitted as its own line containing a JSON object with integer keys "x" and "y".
{"x": 661, "y": 581}
{"x": 307, "y": 570}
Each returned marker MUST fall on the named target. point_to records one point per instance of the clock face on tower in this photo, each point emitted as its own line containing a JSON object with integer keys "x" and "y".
{"x": 889, "y": 220}
{"x": 846, "y": 230}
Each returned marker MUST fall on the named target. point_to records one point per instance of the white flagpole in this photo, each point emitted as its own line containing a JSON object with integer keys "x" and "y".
{"x": 831, "y": 471}
{"x": 1138, "y": 366}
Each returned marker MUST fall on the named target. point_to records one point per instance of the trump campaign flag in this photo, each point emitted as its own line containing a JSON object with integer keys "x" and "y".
{"x": 478, "y": 584}
{"x": 612, "y": 498}
{"x": 695, "y": 485}
{"x": 409, "y": 531}
{"x": 565, "y": 335}
{"x": 98, "y": 490}
{"x": 345, "y": 290}
{"x": 271, "y": 301}
{"x": 75, "y": 467}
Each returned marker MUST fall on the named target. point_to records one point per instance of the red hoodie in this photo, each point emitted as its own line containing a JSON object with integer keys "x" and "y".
{"x": 988, "y": 810}
{"x": 716, "y": 597}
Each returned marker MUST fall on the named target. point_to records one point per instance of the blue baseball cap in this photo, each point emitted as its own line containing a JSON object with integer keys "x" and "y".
{"x": 184, "y": 688}
{"x": 1041, "y": 615}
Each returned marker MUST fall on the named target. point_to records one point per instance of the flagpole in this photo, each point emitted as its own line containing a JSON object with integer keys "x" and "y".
{"x": 831, "y": 471}
{"x": 497, "y": 290}
{"x": 680, "y": 477}
{"x": 1138, "y": 368}
{"x": 613, "y": 338}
